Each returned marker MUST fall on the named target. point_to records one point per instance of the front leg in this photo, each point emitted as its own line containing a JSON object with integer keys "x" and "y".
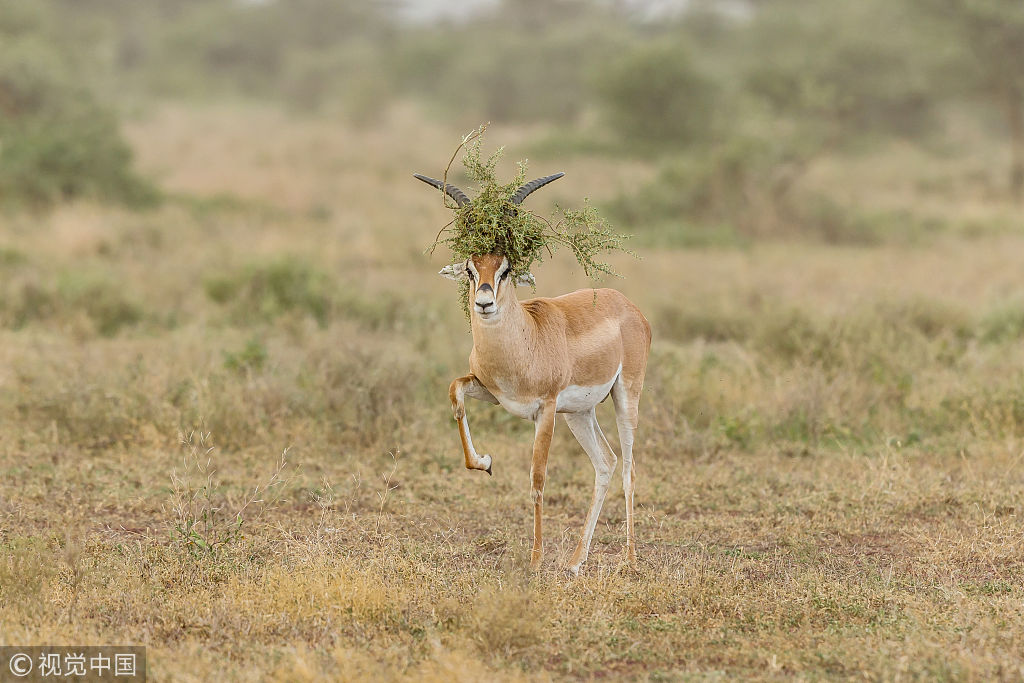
{"x": 459, "y": 389}
{"x": 538, "y": 470}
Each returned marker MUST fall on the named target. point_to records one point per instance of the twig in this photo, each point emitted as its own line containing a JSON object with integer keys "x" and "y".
{"x": 466, "y": 139}
{"x": 433, "y": 246}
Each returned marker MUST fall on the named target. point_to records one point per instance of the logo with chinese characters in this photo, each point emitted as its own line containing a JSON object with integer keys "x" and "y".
{"x": 125, "y": 663}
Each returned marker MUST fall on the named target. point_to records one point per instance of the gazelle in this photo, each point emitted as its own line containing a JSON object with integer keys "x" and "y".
{"x": 545, "y": 356}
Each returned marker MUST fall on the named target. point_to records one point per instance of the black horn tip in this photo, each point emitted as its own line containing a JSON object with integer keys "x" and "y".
{"x": 455, "y": 193}
{"x": 533, "y": 186}
{"x": 427, "y": 179}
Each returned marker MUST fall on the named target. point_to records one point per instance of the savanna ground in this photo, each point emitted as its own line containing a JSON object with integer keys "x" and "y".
{"x": 829, "y": 457}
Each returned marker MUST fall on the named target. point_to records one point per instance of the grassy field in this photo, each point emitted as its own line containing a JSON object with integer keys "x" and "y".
{"x": 829, "y": 458}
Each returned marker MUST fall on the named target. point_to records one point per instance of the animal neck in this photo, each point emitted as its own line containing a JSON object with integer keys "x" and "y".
{"x": 509, "y": 336}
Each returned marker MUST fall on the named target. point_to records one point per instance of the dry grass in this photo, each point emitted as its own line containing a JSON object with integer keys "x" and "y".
{"x": 830, "y": 453}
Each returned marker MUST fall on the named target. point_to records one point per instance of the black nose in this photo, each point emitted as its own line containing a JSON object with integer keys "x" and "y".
{"x": 487, "y": 306}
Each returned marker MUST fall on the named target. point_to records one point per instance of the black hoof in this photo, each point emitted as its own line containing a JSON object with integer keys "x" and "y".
{"x": 488, "y": 470}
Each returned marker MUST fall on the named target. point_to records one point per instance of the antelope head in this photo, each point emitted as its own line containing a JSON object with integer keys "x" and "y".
{"x": 489, "y": 275}
{"x": 489, "y": 278}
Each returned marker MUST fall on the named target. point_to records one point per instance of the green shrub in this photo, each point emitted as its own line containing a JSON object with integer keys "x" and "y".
{"x": 523, "y": 64}
{"x": 712, "y": 326}
{"x": 11, "y": 257}
{"x": 791, "y": 335}
{"x": 655, "y": 98}
{"x": 304, "y": 53}
{"x": 823, "y": 219}
{"x": 57, "y": 142}
{"x": 930, "y": 318}
{"x": 103, "y": 300}
{"x": 860, "y": 82}
{"x": 744, "y": 189}
{"x": 380, "y": 310}
{"x": 1003, "y": 325}
{"x": 25, "y": 299}
{"x": 29, "y": 298}
{"x": 263, "y": 292}
{"x": 250, "y": 357}
{"x": 719, "y": 191}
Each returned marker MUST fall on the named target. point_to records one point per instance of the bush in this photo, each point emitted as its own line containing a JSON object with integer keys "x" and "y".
{"x": 57, "y": 142}
{"x": 1005, "y": 324}
{"x": 655, "y": 98}
{"x": 686, "y": 325}
{"x": 725, "y": 190}
{"x": 711, "y": 187}
{"x": 264, "y": 292}
{"x": 251, "y": 357}
{"x": 861, "y": 80}
{"x": 517, "y": 63}
{"x": 304, "y": 53}
{"x": 102, "y": 300}
{"x": 744, "y": 188}
{"x": 28, "y": 298}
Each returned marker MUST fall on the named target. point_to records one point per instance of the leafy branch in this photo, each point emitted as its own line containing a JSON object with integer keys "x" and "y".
{"x": 493, "y": 224}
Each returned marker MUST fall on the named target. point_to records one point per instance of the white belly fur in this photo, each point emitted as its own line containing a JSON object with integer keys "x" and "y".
{"x": 572, "y": 399}
{"x": 524, "y": 409}
{"x": 577, "y": 399}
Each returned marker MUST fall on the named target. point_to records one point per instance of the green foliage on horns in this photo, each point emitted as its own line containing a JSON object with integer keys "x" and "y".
{"x": 493, "y": 224}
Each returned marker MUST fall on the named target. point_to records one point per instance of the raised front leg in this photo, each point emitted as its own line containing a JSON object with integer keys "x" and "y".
{"x": 538, "y": 471}
{"x": 457, "y": 391}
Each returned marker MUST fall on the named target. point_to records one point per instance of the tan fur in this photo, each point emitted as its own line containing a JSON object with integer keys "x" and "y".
{"x": 525, "y": 355}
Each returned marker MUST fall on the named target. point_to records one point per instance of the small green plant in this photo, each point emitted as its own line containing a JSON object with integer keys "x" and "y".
{"x": 205, "y": 520}
{"x": 251, "y": 357}
{"x": 493, "y": 223}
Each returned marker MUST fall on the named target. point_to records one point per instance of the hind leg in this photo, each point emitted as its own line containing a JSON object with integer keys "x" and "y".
{"x": 588, "y": 432}
{"x": 627, "y": 405}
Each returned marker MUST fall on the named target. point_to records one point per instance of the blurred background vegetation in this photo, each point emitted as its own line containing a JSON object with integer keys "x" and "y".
{"x": 208, "y": 222}
{"x": 733, "y": 101}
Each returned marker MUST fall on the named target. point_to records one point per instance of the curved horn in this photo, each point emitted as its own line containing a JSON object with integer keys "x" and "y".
{"x": 455, "y": 193}
{"x": 533, "y": 186}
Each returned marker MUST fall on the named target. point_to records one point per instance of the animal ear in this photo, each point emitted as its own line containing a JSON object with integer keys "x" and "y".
{"x": 455, "y": 271}
{"x": 526, "y": 279}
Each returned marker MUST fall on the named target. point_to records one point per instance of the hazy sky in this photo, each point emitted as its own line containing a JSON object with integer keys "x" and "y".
{"x": 428, "y": 9}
